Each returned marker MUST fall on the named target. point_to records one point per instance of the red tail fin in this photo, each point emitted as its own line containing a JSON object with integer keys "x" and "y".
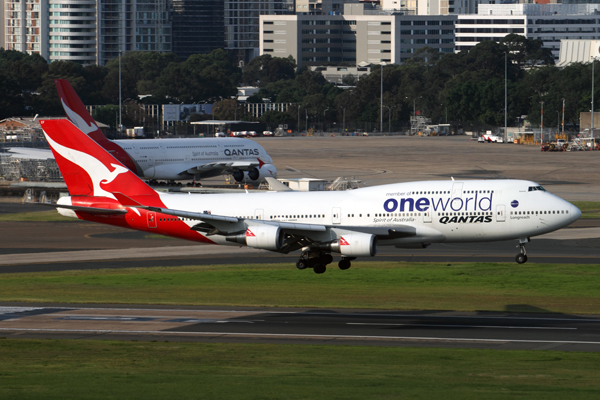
{"x": 88, "y": 169}
{"x": 76, "y": 111}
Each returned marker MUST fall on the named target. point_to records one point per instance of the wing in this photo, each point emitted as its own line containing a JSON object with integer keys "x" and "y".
{"x": 224, "y": 166}
{"x": 298, "y": 235}
{"x": 30, "y": 153}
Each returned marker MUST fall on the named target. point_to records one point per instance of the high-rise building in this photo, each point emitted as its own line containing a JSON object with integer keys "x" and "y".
{"x": 26, "y": 26}
{"x": 86, "y": 31}
{"x": 131, "y": 25}
{"x": 197, "y": 26}
{"x": 242, "y": 18}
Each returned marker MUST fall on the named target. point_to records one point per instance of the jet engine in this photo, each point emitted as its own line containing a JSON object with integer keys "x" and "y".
{"x": 355, "y": 245}
{"x": 255, "y": 174}
{"x": 265, "y": 237}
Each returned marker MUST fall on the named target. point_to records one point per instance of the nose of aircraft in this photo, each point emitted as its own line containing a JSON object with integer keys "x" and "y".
{"x": 575, "y": 213}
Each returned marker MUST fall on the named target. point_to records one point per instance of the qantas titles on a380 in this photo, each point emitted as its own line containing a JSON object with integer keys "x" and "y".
{"x": 352, "y": 223}
{"x": 174, "y": 159}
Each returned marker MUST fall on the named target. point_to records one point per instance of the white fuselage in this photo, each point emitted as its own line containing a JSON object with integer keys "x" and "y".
{"x": 440, "y": 211}
{"x": 169, "y": 158}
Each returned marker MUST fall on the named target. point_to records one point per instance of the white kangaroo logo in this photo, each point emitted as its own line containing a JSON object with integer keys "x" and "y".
{"x": 78, "y": 120}
{"x": 98, "y": 172}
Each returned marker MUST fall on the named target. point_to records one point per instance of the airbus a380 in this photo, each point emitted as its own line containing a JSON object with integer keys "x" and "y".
{"x": 174, "y": 159}
{"x": 352, "y": 223}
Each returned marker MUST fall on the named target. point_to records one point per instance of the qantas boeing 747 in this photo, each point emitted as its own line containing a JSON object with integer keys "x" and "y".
{"x": 350, "y": 223}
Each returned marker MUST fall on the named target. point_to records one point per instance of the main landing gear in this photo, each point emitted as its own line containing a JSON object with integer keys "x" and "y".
{"x": 521, "y": 258}
{"x": 319, "y": 261}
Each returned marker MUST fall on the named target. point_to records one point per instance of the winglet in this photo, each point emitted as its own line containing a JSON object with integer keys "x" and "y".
{"x": 260, "y": 163}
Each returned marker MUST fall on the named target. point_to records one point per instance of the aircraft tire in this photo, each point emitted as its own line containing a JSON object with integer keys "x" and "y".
{"x": 301, "y": 264}
{"x": 521, "y": 258}
{"x": 344, "y": 264}
{"x": 319, "y": 268}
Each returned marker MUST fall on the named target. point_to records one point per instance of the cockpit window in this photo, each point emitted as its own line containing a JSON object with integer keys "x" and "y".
{"x": 534, "y": 188}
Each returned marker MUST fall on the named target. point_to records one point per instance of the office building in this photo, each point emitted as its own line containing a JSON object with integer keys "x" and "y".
{"x": 242, "y": 18}
{"x": 197, "y": 26}
{"x": 549, "y": 23}
{"x": 354, "y": 38}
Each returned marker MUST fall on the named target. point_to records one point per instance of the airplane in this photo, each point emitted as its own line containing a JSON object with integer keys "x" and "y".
{"x": 353, "y": 223}
{"x": 174, "y": 159}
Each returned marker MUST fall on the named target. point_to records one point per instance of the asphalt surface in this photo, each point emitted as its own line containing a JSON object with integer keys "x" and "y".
{"x": 346, "y": 327}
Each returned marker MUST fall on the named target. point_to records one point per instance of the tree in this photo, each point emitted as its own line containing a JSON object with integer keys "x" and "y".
{"x": 265, "y": 69}
{"x": 277, "y": 118}
{"x": 48, "y": 103}
{"x": 108, "y": 115}
{"x": 229, "y": 109}
{"x": 527, "y": 52}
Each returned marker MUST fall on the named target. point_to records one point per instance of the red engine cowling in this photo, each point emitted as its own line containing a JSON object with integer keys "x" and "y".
{"x": 356, "y": 244}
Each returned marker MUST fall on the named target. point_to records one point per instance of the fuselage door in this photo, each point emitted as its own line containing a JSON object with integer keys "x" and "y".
{"x": 457, "y": 188}
{"x": 336, "y": 215}
{"x": 151, "y": 219}
{"x": 500, "y": 213}
{"x": 258, "y": 214}
{"x": 427, "y": 216}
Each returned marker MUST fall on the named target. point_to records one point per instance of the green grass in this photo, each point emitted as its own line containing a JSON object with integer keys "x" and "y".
{"x": 50, "y": 215}
{"x": 62, "y": 369}
{"x": 589, "y": 209}
{"x": 531, "y": 287}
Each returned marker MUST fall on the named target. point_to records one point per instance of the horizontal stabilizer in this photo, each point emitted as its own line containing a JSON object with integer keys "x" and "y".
{"x": 277, "y": 186}
{"x": 126, "y": 201}
{"x": 91, "y": 210}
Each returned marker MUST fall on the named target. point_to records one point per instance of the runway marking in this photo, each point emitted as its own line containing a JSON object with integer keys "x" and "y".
{"x": 379, "y": 314}
{"x": 461, "y": 326}
{"x": 305, "y": 336}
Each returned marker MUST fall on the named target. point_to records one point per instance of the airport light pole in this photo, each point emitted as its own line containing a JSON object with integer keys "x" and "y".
{"x": 505, "y": 97}
{"x": 593, "y": 74}
{"x": 298, "y": 126}
{"x": 389, "y": 118}
{"x": 344, "y": 121}
{"x": 542, "y": 122}
{"x": 381, "y": 101}
{"x": 324, "y": 112}
{"x": 306, "y": 121}
{"x": 120, "y": 97}
{"x": 563, "y": 117}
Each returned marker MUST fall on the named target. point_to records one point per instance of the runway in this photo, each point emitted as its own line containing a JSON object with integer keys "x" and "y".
{"x": 57, "y": 246}
{"x": 346, "y": 327}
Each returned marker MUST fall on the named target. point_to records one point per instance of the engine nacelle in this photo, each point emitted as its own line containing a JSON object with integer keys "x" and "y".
{"x": 265, "y": 237}
{"x": 255, "y": 174}
{"x": 356, "y": 244}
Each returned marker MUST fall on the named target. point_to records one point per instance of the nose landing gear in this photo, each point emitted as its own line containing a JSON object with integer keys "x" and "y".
{"x": 521, "y": 258}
